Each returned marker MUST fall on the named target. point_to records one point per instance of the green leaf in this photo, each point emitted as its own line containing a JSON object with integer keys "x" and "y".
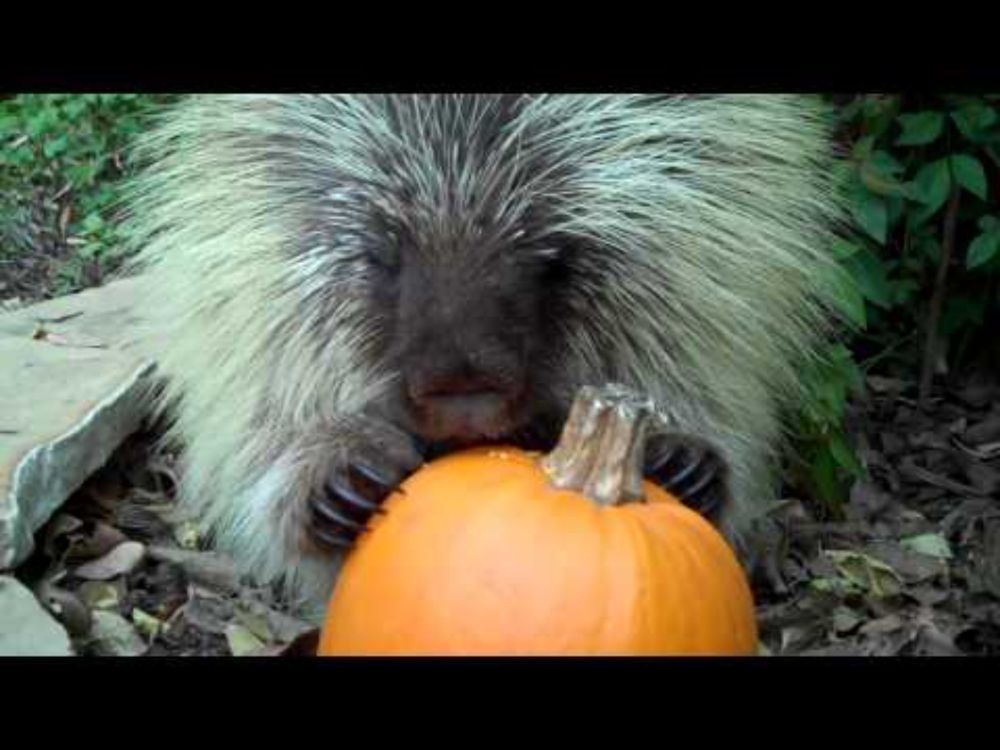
{"x": 974, "y": 120}
{"x": 918, "y": 216}
{"x": 886, "y": 163}
{"x": 871, "y": 214}
{"x": 844, "y": 455}
{"x": 931, "y": 187}
{"x": 849, "y": 111}
{"x": 74, "y": 107}
{"x": 969, "y": 174}
{"x": 879, "y": 112}
{"x": 834, "y": 394}
{"x": 241, "y": 640}
{"x": 8, "y": 126}
{"x": 904, "y": 290}
{"x": 53, "y": 148}
{"x": 851, "y": 302}
{"x": 989, "y": 223}
{"x": 863, "y": 147}
{"x": 825, "y": 478}
{"x": 920, "y": 129}
{"x": 92, "y": 222}
{"x": 90, "y": 251}
{"x": 842, "y": 249}
{"x": 877, "y": 176}
{"x": 982, "y": 249}
{"x": 21, "y": 156}
{"x": 852, "y": 372}
{"x": 869, "y": 273}
{"x": 38, "y": 123}
{"x": 146, "y": 623}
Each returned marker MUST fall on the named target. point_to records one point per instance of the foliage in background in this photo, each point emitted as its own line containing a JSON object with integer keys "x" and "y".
{"x": 912, "y": 158}
{"x": 922, "y": 179}
{"x": 61, "y": 157}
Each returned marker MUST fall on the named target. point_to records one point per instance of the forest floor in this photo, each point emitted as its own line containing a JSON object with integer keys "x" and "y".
{"x": 913, "y": 568}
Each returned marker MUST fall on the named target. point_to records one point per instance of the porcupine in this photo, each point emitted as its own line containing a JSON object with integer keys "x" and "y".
{"x": 351, "y": 284}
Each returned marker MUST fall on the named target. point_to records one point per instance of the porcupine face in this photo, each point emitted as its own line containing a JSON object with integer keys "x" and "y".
{"x": 467, "y": 321}
{"x": 443, "y": 211}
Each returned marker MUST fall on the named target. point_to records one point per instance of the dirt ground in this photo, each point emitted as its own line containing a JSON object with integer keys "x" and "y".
{"x": 912, "y": 569}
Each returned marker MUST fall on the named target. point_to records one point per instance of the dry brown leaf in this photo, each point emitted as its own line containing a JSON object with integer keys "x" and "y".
{"x": 985, "y": 431}
{"x": 121, "y": 560}
{"x": 56, "y": 540}
{"x": 94, "y": 540}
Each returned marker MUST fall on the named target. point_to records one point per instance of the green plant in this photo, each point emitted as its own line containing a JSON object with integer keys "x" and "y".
{"x": 60, "y": 162}
{"x": 824, "y": 463}
{"x": 922, "y": 180}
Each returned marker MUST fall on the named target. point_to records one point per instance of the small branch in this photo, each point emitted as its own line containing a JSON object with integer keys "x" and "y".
{"x": 932, "y": 344}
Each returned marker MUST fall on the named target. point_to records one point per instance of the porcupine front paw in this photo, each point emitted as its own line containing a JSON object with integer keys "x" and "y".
{"x": 352, "y": 487}
{"x": 692, "y": 469}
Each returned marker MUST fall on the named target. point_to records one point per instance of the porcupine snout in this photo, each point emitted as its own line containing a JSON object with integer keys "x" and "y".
{"x": 466, "y": 342}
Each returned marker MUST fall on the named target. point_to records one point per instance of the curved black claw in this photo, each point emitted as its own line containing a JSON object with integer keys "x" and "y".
{"x": 354, "y": 490}
{"x": 339, "y": 488}
{"x": 379, "y": 478}
{"x": 329, "y": 512}
{"x": 691, "y": 469}
{"x": 331, "y": 539}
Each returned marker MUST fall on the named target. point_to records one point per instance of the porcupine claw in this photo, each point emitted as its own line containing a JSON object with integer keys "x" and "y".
{"x": 691, "y": 469}
{"x": 329, "y": 510}
{"x": 355, "y": 489}
{"x": 386, "y": 483}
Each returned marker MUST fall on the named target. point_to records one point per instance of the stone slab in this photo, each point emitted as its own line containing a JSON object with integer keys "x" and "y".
{"x": 76, "y": 374}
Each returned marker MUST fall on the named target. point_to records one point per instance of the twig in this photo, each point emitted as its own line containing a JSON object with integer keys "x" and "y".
{"x": 61, "y": 318}
{"x": 937, "y": 300}
{"x": 912, "y": 471}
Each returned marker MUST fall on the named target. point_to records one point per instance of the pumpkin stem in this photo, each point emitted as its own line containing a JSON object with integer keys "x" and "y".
{"x": 601, "y": 450}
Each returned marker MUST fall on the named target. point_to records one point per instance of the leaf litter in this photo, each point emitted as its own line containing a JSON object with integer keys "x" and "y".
{"x": 912, "y": 567}
{"x": 127, "y": 575}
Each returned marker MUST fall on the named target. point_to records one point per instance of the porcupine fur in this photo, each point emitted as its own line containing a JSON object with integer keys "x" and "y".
{"x": 693, "y": 232}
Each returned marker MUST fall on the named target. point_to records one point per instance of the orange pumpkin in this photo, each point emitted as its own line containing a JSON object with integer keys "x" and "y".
{"x": 498, "y": 551}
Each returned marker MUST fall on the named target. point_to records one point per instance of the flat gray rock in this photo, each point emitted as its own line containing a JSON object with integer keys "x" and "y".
{"x": 26, "y": 629}
{"x": 75, "y": 380}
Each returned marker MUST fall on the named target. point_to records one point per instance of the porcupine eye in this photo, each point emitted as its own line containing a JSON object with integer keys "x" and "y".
{"x": 554, "y": 265}
{"x": 384, "y": 253}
